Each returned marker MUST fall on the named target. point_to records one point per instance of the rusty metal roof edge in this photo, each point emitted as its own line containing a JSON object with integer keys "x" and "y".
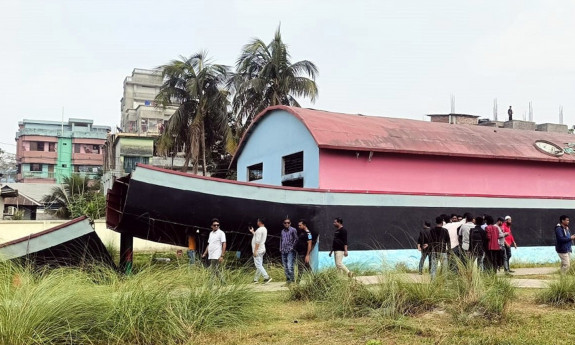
{"x": 447, "y": 154}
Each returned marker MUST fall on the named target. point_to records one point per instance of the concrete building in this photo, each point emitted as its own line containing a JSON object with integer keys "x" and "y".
{"x": 122, "y": 151}
{"x": 48, "y": 151}
{"x": 139, "y": 111}
{"x": 319, "y": 149}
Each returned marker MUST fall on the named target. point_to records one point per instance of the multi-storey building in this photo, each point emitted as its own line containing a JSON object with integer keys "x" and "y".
{"x": 139, "y": 111}
{"x": 48, "y": 151}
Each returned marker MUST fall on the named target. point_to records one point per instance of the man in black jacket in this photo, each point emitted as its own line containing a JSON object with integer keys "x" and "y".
{"x": 477, "y": 242}
{"x": 439, "y": 243}
{"x": 423, "y": 246}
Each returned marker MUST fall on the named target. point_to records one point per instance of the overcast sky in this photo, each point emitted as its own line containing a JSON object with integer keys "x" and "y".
{"x": 389, "y": 58}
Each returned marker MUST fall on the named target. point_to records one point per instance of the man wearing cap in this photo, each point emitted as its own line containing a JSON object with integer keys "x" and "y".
{"x": 509, "y": 240}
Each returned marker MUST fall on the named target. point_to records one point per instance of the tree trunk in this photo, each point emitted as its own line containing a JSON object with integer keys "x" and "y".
{"x": 186, "y": 163}
{"x": 204, "y": 148}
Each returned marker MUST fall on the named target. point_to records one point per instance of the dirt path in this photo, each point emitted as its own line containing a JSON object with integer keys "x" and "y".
{"x": 416, "y": 278}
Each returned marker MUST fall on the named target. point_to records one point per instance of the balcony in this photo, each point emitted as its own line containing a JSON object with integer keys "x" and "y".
{"x": 36, "y": 177}
{"x": 44, "y": 157}
{"x": 37, "y": 174}
{"x": 87, "y": 159}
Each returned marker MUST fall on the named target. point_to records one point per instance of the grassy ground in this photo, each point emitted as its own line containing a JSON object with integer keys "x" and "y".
{"x": 288, "y": 322}
{"x": 170, "y": 303}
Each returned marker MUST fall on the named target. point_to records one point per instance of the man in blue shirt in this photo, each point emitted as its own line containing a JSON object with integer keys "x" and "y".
{"x": 563, "y": 242}
{"x": 287, "y": 250}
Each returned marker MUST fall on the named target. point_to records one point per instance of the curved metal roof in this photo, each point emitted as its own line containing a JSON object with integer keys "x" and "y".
{"x": 384, "y": 134}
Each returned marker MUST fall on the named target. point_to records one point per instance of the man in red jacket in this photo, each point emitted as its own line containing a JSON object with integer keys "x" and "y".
{"x": 509, "y": 240}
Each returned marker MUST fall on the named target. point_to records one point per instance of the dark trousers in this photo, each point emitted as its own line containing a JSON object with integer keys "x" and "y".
{"x": 424, "y": 255}
{"x": 302, "y": 266}
{"x": 214, "y": 266}
{"x": 455, "y": 256}
{"x": 477, "y": 255}
{"x": 507, "y": 257}
{"x": 492, "y": 258}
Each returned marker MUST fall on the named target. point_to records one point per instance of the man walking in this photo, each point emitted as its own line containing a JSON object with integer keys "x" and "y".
{"x": 563, "y": 242}
{"x": 423, "y": 246}
{"x": 287, "y": 244}
{"x": 259, "y": 249}
{"x": 304, "y": 245}
{"x": 509, "y": 240}
{"x": 339, "y": 246}
{"x": 216, "y": 249}
{"x": 439, "y": 242}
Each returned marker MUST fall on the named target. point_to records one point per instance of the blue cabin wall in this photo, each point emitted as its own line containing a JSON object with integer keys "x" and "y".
{"x": 279, "y": 134}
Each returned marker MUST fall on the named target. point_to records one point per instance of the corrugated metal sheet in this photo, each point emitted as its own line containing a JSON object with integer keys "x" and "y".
{"x": 384, "y": 134}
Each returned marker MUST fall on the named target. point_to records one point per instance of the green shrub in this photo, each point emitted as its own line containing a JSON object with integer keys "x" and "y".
{"x": 478, "y": 294}
{"x": 97, "y": 305}
{"x": 560, "y": 292}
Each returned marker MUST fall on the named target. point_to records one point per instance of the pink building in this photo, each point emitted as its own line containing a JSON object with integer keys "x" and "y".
{"x": 356, "y": 152}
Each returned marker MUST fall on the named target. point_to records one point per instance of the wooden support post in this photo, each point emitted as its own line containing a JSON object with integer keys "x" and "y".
{"x": 126, "y": 252}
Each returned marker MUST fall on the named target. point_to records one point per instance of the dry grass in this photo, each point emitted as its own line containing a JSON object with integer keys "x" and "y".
{"x": 529, "y": 323}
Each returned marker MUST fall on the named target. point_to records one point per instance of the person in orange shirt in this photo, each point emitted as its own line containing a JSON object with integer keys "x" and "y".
{"x": 192, "y": 248}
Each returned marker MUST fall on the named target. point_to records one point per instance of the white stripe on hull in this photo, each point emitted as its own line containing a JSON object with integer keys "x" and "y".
{"x": 328, "y": 198}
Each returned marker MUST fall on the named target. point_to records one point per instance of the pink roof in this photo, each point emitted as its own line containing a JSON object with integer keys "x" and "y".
{"x": 384, "y": 134}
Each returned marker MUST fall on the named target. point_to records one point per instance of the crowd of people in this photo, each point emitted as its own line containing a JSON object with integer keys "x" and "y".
{"x": 461, "y": 239}
{"x": 451, "y": 241}
{"x": 295, "y": 248}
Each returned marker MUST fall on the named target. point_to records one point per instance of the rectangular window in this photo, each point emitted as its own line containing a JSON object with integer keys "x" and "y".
{"x": 256, "y": 172}
{"x": 77, "y": 148}
{"x": 52, "y": 147}
{"x": 35, "y": 167}
{"x": 293, "y": 163}
{"x": 293, "y": 183}
{"x": 36, "y": 146}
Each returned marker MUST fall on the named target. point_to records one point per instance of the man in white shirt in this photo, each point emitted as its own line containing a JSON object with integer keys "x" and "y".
{"x": 259, "y": 249}
{"x": 216, "y": 249}
{"x": 452, "y": 225}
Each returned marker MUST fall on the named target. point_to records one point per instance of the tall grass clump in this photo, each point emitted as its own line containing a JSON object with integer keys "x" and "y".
{"x": 98, "y": 305}
{"x": 49, "y": 307}
{"x": 162, "y": 306}
{"x": 479, "y": 294}
{"x": 339, "y": 296}
{"x": 400, "y": 297}
{"x": 560, "y": 292}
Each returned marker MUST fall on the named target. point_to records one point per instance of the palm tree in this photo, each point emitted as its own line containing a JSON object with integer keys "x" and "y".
{"x": 194, "y": 85}
{"x": 76, "y": 196}
{"x": 266, "y": 77}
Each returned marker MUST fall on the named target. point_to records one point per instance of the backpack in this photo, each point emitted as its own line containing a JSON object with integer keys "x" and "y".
{"x": 475, "y": 239}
